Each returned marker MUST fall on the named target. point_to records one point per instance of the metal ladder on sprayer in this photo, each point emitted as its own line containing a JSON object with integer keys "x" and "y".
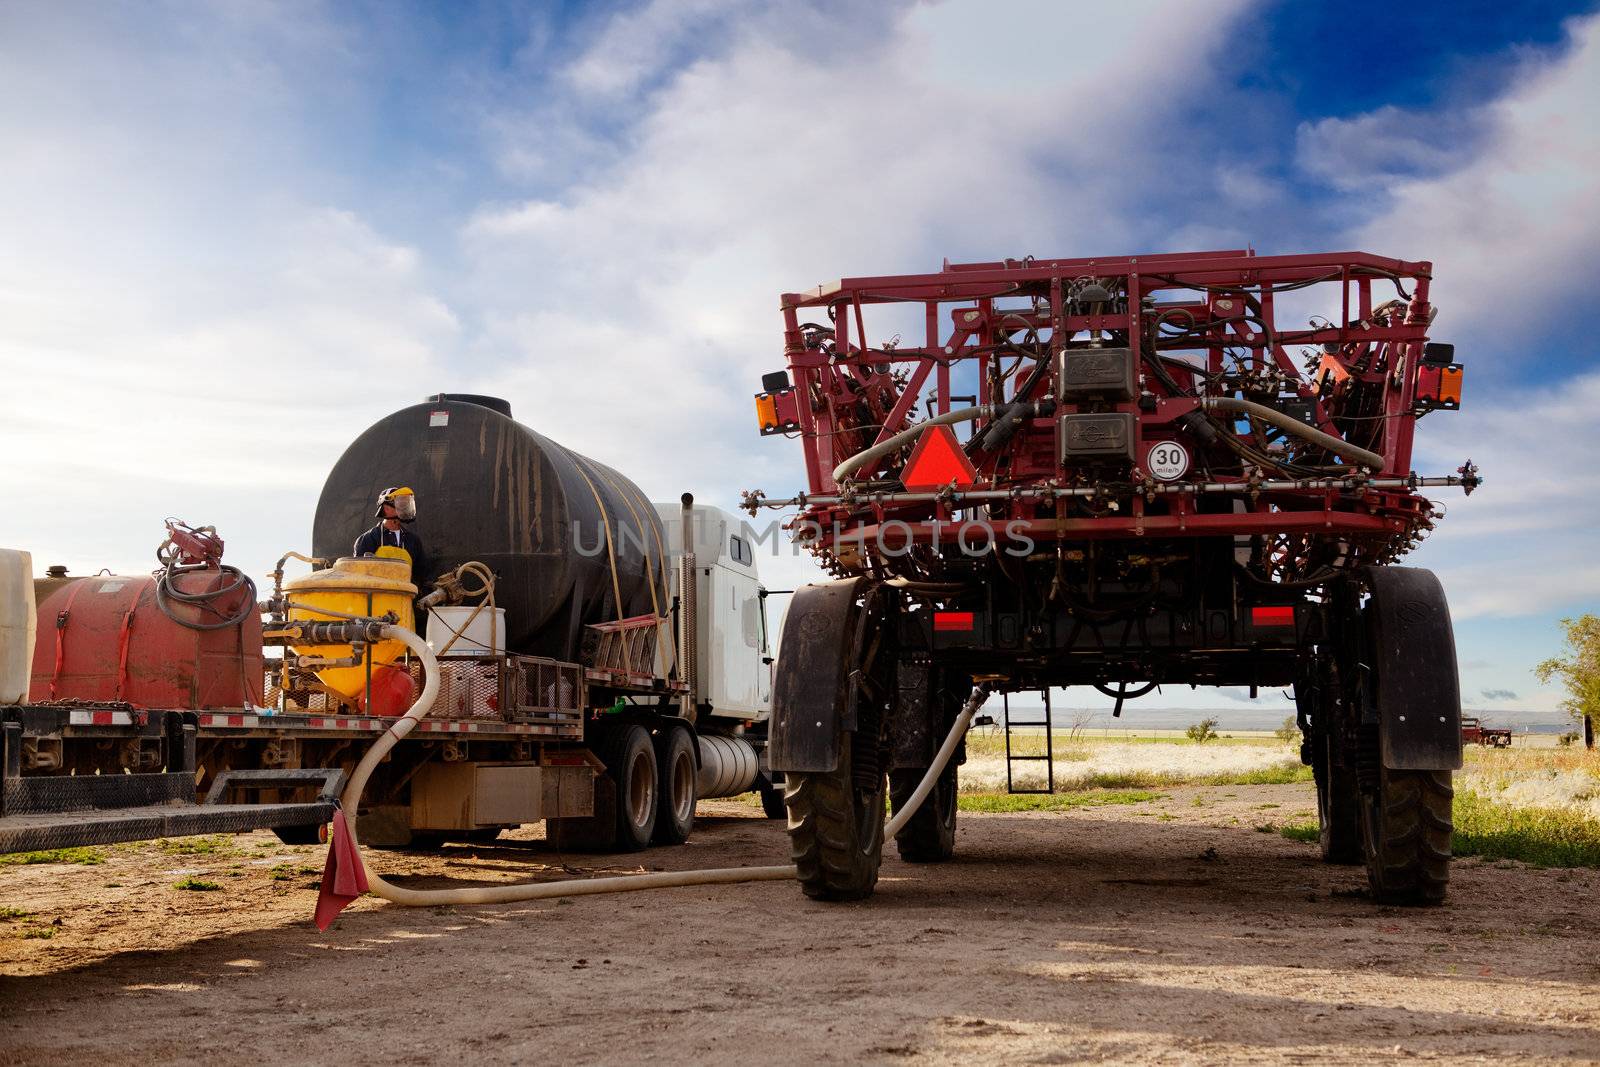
{"x": 1047, "y": 757}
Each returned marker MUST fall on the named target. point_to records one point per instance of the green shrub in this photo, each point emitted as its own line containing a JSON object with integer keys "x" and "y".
{"x": 1544, "y": 837}
{"x": 196, "y": 885}
{"x": 1003, "y": 802}
{"x": 88, "y": 857}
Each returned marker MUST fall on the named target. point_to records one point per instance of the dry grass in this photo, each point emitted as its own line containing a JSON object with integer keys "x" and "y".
{"x": 1546, "y": 778}
{"x": 1096, "y": 798}
{"x": 1094, "y": 764}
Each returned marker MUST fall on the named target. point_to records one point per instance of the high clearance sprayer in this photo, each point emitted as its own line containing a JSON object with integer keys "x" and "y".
{"x": 1149, "y": 490}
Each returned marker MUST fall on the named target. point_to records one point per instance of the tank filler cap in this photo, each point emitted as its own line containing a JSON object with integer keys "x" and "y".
{"x": 55, "y": 570}
{"x": 493, "y": 403}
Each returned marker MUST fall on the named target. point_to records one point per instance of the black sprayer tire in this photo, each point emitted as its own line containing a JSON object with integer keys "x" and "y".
{"x": 1338, "y": 807}
{"x": 638, "y": 781}
{"x": 678, "y": 790}
{"x": 1406, "y": 827}
{"x": 835, "y": 830}
{"x": 929, "y": 836}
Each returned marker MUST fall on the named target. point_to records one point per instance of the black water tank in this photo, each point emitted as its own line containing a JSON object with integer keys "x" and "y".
{"x": 490, "y": 489}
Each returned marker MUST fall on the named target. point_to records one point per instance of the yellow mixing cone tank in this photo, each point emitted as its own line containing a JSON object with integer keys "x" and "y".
{"x": 368, "y": 587}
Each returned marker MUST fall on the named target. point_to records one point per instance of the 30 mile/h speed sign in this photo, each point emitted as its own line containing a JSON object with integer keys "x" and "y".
{"x": 1167, "y": 460}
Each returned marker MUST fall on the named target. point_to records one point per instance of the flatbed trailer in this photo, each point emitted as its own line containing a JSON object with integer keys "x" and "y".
{"x": 80, "y": 773}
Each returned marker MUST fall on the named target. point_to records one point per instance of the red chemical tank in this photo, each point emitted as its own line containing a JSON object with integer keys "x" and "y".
{"x": 110, "y": 638}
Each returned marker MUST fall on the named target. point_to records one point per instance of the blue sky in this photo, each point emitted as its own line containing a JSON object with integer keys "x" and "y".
{"x": 236, "y": 234}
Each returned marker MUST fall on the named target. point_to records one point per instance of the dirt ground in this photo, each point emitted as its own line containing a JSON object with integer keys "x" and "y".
{"x": 1172, "y": 931}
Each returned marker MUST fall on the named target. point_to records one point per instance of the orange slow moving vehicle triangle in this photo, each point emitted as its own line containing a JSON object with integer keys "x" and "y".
{"x": 937, "y": 461}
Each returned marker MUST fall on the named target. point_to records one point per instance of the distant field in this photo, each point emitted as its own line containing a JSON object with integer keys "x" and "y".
{"x": 1095, "y": 762}
{"x": 1535, "y": 803}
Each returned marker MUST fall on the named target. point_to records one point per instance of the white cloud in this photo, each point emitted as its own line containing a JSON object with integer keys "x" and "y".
{"x": 639, "y": 44}
{"x": 1513, "y": 234}
{"x": 1384, "y": 146}
{"x": 189, "y": 267}
{"x": 1524, "y": 543}
{"x": 187, "y": 326}
{"x": 774, "y": 164}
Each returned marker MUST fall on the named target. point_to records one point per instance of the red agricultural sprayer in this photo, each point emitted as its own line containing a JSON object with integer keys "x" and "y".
{"x": 1125, "y": 473}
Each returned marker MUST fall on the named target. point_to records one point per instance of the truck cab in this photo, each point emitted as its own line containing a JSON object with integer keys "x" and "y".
{"x": 734, "y": 680}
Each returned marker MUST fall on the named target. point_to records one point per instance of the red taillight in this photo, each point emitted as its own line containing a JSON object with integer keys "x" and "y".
{"x": 952, "y": 620}
{"x": 1272, "y": 616}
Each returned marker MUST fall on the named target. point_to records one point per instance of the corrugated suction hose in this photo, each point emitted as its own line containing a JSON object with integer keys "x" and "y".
{"x": 351, "y": 802}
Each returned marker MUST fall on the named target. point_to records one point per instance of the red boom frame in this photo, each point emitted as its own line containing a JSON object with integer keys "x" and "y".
{"x": 1366, "y": 382}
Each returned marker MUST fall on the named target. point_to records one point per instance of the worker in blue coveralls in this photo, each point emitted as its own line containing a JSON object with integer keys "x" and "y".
{"x": 392, "y": 537}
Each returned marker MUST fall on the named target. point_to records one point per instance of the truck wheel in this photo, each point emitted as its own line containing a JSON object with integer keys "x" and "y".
{"x": 1338, "y": 806}
{"x": 772, "y": 805}
{"x": 1406, "y": 826}
{"x": 302, "y": 835}
{"x": 835, "y": 828}
{"x": 929, "y": 836}
{"x": 638, "y": 782}
{"x": 679, "y": 787}
{"x": 588, "y": 833}
{"x": 426, "y": 840}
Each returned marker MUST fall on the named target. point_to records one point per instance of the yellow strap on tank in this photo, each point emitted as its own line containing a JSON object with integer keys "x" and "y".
{"x": 605, "y": 519}
{"x": 650, "y": 568}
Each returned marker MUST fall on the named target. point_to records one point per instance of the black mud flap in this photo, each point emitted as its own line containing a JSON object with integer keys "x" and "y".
{"x": 1417, "y": 691}
{"x": 809, "y": 687}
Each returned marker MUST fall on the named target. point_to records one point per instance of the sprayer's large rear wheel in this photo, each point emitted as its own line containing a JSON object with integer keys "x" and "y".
{"x": 1338, "y": 805}
{"x": 836, "y": 828}
{"x": 929, "y": 836}
{"x": 1406, "y": 825}
{"x": 836, "y": 817}
{"x": 1407, "y": 672}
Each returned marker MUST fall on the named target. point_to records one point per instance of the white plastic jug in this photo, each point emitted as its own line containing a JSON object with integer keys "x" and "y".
{"x": 17, "y": 614}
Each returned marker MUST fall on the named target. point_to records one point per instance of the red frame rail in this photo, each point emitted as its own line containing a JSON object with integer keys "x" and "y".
{"x": 1358, "y": 380}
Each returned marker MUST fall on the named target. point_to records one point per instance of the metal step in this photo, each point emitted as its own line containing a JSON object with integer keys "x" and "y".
{"x": 1048, "y": 758}
{"x": 108, "y": 826}
{"x": 70, "y": 811}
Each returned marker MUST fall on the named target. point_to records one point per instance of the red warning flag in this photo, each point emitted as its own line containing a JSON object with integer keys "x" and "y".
{"x": 937, "y": 460}
{"x": 343, "y": 877}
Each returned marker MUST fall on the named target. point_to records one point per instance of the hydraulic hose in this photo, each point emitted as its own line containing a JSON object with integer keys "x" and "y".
{"x": 351, "y": 802}
{"x": 1290, "y": 424}
{"x": 167, "y": 593}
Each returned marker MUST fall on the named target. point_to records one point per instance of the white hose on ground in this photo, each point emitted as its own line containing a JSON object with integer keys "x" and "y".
{"x": 351, "y": 803}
